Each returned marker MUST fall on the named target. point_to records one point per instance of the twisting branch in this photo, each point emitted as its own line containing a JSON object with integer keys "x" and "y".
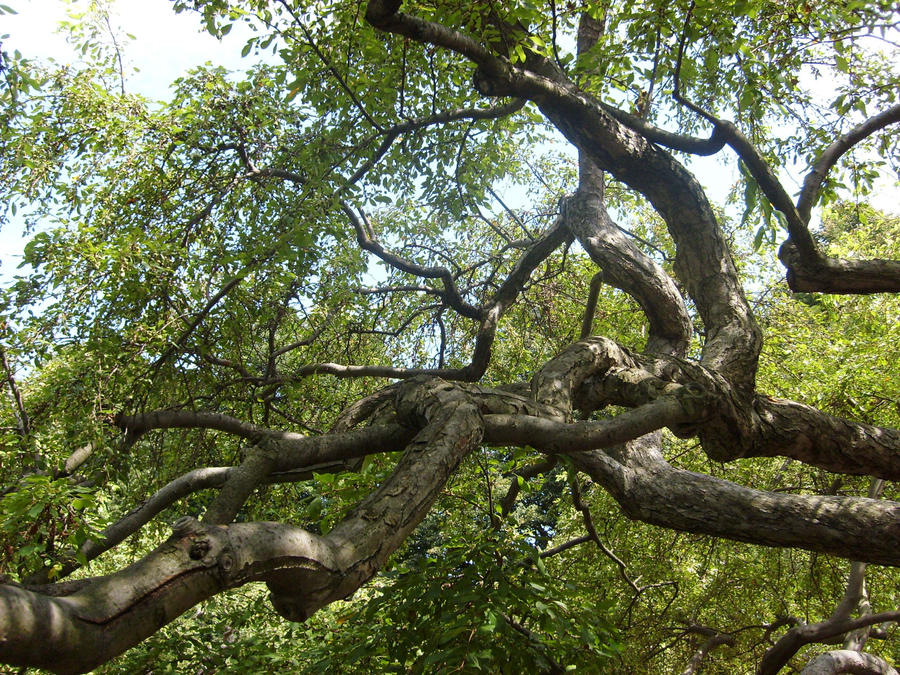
{"x": 714, "y": 639}
{"x": 733, "y": 337}
{"x": 579, "y": 504}
{"x": 365, "y": 235}
{"x": 812, "y": 184}
{"x": 808, "y": 268}
{"x": 752, "y": 158}
{"x": 489, "y": 314}
{"x": 304, "y": 572}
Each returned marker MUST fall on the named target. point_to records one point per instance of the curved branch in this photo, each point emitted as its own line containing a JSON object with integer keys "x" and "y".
{"x": 626, "y": 267}
{"x": 597, "y": 372}
{"x": 489, "y": 314}
{"x": 137, "y": 425}
{"x": 368, "y": 241}
{"x": 809, "y": 270}
{"x": 115, "y": 534}
{"x": 812, "y": 184}
{"x": 385, "y": 15}
{"x": 304, "y": 572}
{"x": 703, "y": 260}
{"x": 296, "y": 459}
{"x": 680, "y": 142}
{"x": 790, "y": 643}
{"x": 649, "y": 489}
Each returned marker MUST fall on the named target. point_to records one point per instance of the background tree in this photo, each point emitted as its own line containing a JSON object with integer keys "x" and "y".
{"x": 580, "y": 452}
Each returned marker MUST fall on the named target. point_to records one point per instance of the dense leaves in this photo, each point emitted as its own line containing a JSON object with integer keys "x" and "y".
{"x": 266, "y": 247}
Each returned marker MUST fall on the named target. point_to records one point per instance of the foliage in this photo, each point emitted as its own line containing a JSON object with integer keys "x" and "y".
{"x": 202, "y": 254}
{"x": 487, "y": 606}
{"x": 43, "y": 518}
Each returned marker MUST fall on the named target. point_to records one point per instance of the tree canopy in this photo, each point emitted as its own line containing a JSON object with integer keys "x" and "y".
{"x": 419, "y": 346}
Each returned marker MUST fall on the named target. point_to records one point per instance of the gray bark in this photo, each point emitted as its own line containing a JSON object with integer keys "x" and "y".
{"x": 847, "y": 661}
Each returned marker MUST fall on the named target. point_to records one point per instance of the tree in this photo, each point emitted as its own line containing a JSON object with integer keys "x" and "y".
{"x": 249, "y": 262}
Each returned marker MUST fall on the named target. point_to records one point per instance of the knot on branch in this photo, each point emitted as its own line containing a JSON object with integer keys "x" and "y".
{"x": 493, "y": 82}
{"x": 380, "y": 11}
{"x": 186, "y": 525}
{"x": 207, "y": 545}
{"x": 697, "y": 401}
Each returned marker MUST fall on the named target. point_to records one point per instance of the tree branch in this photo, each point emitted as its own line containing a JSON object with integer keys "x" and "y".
{"x": 847, "y": 661}
{"x": 304, "y": 572}
{"x": 790, "y": 643}
{"x": 812, "y": 184}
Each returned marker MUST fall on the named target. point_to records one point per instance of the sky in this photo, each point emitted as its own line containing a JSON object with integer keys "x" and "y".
{"x": 165, "y": 44}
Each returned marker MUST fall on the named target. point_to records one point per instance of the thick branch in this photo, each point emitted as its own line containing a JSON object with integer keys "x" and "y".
{"x": 650, "y": 490}
{"x": 597, "y": 372}
{"x": 297, "y": 459}
{"x": 558, "y": 437}
{"x": 702, "y": 261}
{"x": 304, "y": 571}
{"x": 680, "y": 142}
{"x": 791, "y": 429}
{"x": 847, "y": 661}
{"x": 626, "y": 267}
{"x": 838, "y": 275}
